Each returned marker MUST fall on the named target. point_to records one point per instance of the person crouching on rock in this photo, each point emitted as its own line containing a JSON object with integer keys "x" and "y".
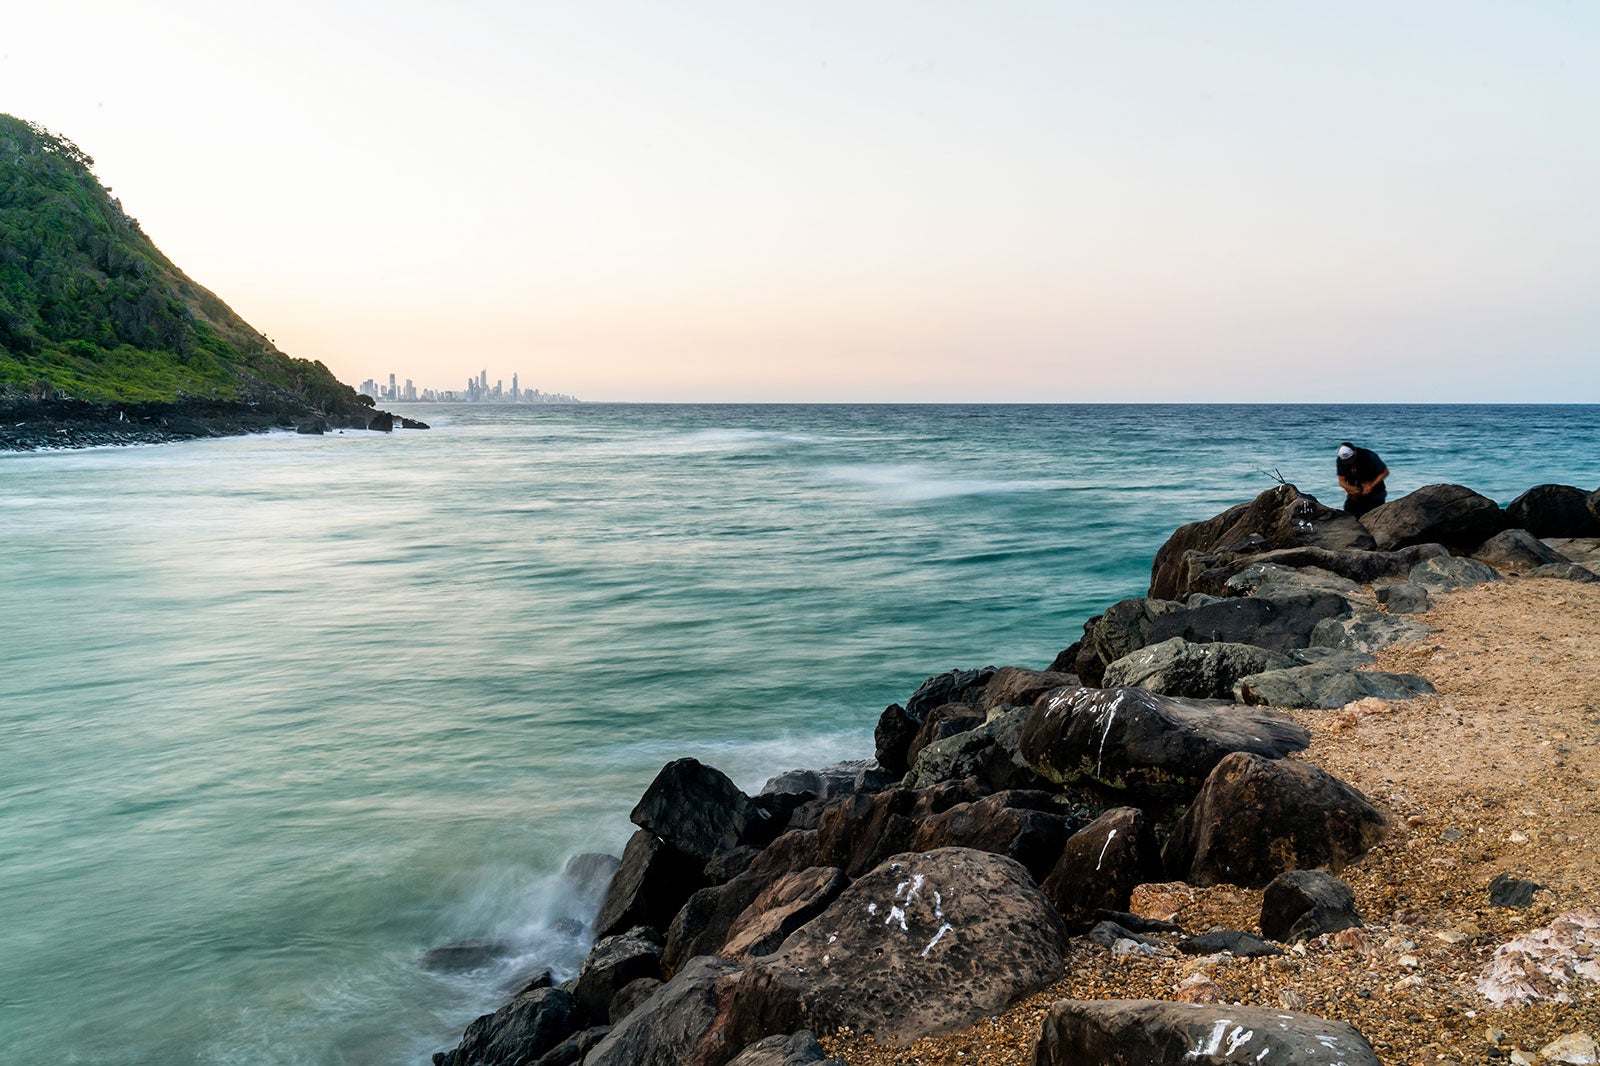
{"x": 1361, "y": 475}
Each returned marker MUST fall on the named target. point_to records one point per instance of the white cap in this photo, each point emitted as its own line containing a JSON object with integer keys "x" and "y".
{"x": 1346, "y": 452}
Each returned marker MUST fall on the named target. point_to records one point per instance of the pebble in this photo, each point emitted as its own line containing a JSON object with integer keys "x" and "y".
{"x": 1518, "y": 837}
{"x": 1577, "y": 1048}
{"x": 1451, "y": 835}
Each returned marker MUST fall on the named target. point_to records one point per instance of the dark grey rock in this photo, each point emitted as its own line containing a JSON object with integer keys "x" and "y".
{"x": 1321, "y": 687}
{"x": 1508, "y": 891}
{"x": 1154, "y": 746}
{"x": 1301, "y": 904}
{"x": 1273, "y": 579}
{"x": 1123, "y": 1032}
{"x": 1281, "y": 517}
{"x": 1585, "y": 551}
{"x": 1403, "y": 597}
{"x": 466, "y": 955}
{"x": 1449, "y": 572}
{"x": 1348, "y": 658}
{"x": 1452, "y": 515}
{"x": 651, "y": 883}
{"x": 701, "y": 926}
{"x": 924, "y": 943}
{"x": 630, "y": 996}
{"x": 1105, "y": 934}
{"x": 1101, "y": 865}
{"x": 892, "y": 738}
{"x": 680, "y": 1025}
{"x": 1255, "y": 818}
{"x": 828, "y": 783}
{"x": 570, "y": 1052}
{"x": 1566, "y": 572}
{"x": 941, "y": 724}
{"x": 990, "y": 753}
{"x": 519, "y": 1032}
{"x": 793, "y": 1049}
{"x": 1204, "y": 573}
{"x": 1367, "y": 630}
{"x": 1231, "y": 941}
{"x": 1021, "y": 824}
{"x": 613, "y": 963}
{"x": 1013, "y": 686}
{"x": 952, "y": 686}
{"x": 1204, "y": 671}
{"x": 1554, "y": 511}
{"x": 696, "y": 809}
{"x": 782, "y": 907}
{"x": 1517, "y": 549}
{"x": 1137, "y": 922}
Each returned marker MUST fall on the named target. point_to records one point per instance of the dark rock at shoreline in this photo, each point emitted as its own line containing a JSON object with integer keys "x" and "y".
{"x": 1554, "y": 511}
{"x": 570, "y": 1052}
{"x": 382, "y": 422}
{"x": 613, "y": 963}
{"x": 1255, "y": 818}
{"x": 1014, "y": 686}
{"x": 31, "y": 425}
{"x": 860, "y": 832}
{"x": 1452, "y": 515}
{"x": 1281, "y": 517}
{"x": 630, "y": 996}
{"x": 315, "y": 427}
{"x": 909, "y": 949}
{"x": 701, "y": 925}
{"x": 942, "y": 723}
{"x": 1177, "y": 667}
{"x": 466, "y": 955}
{"x": 652, "y": 882}
{"x": 1101, "y": 865}
{"x": 892, "y": 738}
{"x": 1125, "y": 1032}
{"x": 587, "y": 874}
{"x": 412, "y": 423}
{"x": 517, "y": 1033}
{"x": 1301, "y": 904}
{"x": 1157, "y": 747}
{"x": 682, "y": 1024}
{"x": 953, "y": 686}
{"x": 1273, "y": 579}
{"x": 696, "y": 809}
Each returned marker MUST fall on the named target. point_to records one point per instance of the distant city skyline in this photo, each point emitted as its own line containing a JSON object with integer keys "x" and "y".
{"x": 478, "y": 390}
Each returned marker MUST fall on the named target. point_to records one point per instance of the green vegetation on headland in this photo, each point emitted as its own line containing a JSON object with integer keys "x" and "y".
{"x": 91, "y": 311}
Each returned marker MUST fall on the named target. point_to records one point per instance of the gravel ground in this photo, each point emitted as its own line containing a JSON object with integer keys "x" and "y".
{"x": 1497, "y": 773}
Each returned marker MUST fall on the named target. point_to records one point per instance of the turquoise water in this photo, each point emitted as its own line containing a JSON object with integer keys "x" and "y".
{"x": 278, "y": 714}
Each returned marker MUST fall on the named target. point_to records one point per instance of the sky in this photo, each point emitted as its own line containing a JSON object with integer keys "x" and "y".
{"x": 865, "y": 201}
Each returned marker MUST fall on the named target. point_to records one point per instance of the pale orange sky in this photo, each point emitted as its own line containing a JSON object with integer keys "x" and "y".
{"x": 893, "y": 201}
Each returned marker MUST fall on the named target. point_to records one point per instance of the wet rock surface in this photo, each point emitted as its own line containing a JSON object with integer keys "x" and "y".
{"x": 1148, "y": 1033}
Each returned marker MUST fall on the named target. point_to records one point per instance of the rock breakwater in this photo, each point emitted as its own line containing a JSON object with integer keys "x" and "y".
{"x": 1020, "y": 825}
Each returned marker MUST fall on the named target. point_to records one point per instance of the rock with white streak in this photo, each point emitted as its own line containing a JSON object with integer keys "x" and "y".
{"x": 925, "y": 942}
{"x": 1124, "y": 1032}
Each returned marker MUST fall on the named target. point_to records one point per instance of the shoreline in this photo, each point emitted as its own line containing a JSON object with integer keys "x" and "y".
{"x": 735, "y": 920}
{"x": 64, "y": 425}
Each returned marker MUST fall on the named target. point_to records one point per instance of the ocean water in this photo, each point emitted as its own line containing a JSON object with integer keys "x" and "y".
{"x": 278, "y": 714}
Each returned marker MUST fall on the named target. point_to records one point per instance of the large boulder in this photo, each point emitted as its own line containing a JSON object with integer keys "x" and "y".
{"x": 1255, "y": 818}
{"x": 701, "y": 925}
{"x": 1301, "y": 904}
{"x": 892, "y": 738}
{"x": 924, "y": 943}
{"x": 1517, "y": 549}
{"x": 1023, "y": 825}
{"x": 1554, "y": 511}
{"x": 696, "y": 809}
{"x": 1452, "y": 515}
{"x": 1013, "y": 686}
{"x": 1177, "y": 667}
{"x": 650, "y": 885}
{"x": 614, "y": 962}
{"x": 570, "y": 1052}
{"x": 1123, "y": 1032}
{"x": 952, "y": 686}
{"x": 1274, "y": 579}
{"x": 988, "y": 754}
{"x": 782, "y": 907}
{"x": 860, "y": 832}
{"x": 1209, "y": 572}
{"x": 1566, "y": 572}
{"x": 681, "y": 1025}
{"x": 941, "y": 724}
{"x": 1320, "y": 687}
{"x": 1281, "y": 517}
{"x": 519, "y": 1032}
{"x": 1101, "y": 865}
{"x": 1159, "y": 747}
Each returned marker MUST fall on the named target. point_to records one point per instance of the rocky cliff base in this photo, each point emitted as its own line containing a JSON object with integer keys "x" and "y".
{"x": 33, "y": 425}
